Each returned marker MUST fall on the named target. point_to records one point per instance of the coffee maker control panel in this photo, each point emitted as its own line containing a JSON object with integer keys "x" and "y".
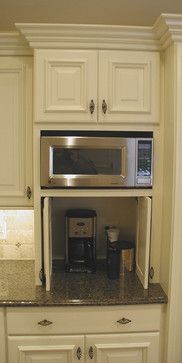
{"x": 80, "y": 227}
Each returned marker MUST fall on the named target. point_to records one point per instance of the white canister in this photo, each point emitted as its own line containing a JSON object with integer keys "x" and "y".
{"x": 113, "y": 234}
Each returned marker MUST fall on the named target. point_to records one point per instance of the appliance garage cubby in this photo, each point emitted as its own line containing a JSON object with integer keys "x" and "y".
{"x": 131, "y": 215}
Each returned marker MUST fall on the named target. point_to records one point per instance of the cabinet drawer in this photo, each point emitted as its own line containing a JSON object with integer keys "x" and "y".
{"x": 66, "y": 320}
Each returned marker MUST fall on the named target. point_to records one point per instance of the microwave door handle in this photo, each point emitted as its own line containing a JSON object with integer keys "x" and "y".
{"x": 123, "y": 162}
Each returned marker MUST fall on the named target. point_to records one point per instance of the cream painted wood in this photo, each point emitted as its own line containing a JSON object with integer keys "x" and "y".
{"x": 50, "y": 349}
{"x": 65, "y": 84}
{"x": 129, "y": 82}
{"x": 16, "y": 130}
{"x": 82, "y": 320}
{"x": 172, "y": 203}
{"x": 166, "y": 30}
{"x": 85, "y": 36}
{"x": 47, "y": 238}
{"x": 127, "y": 348}
{"x": 143, "y": 239}
{"x": 83, "y": 193}
{"x": 2, "y": 337}
{"x": 13, "y": 43}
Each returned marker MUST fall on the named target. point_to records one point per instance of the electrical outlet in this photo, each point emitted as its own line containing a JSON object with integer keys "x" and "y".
{"x": 3, "y": 232}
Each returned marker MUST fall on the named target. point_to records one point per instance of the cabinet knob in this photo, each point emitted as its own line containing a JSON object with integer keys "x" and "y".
{"x": 92, "y": 106}
{"x": 29, "y": 192}
{"x": 91, "y": 352}
{"x": 79, "y": 353}
{"x": 45, "y": 322}
{"x": 51, "y": 180}
{"x": 104, "y": 106}
{"x": 124, "y": 321}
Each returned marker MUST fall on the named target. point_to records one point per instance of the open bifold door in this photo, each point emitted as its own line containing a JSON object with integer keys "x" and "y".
{"x": 143, "y": 239}
{"x": 47, "y": 238}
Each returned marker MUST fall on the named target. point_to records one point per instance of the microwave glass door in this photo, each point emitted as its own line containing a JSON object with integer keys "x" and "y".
{"x": 80, "y": 161}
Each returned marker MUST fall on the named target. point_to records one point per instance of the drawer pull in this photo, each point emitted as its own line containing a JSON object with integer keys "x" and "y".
{"x": 124, "y": 321}
{"x": 45, "y": 322}
{"x": 91, "y": 353}
{"x": 79, "y": 353}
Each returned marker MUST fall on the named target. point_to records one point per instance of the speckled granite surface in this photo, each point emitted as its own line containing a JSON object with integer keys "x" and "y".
{"x": 17, "y": 288}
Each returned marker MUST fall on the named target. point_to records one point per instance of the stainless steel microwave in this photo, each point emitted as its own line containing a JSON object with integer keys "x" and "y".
{"x": 96, "y": 161}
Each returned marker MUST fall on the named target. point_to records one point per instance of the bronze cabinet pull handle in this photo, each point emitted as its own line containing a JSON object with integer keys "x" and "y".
{"x": 92, "y": 106}
{"x": 104, "y": 106}
{"x": 124, "y": 321}
{"x": 79, "y": 353}
{"x": 91, "y": 352}
{"x": 45, "y": 322}
{"x": 29, "y": 192}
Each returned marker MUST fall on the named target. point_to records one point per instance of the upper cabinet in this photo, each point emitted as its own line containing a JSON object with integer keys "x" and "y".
{"x": 97, "y": 87}
{"x": 65, "y": 86}
{"x": 16, "y": 131}
{"x": 129, "y": 88}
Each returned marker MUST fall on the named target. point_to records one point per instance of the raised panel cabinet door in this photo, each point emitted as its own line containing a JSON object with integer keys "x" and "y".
{"x": 15, "y": 130}
{"x": 129, "y": 87}
{"x": 47, "y": 349}
{"x": 65, "y": 86}
{"x": 123, "y": 348}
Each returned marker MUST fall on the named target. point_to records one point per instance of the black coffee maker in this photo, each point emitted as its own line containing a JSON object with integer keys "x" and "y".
{"x": 80, "y": 226}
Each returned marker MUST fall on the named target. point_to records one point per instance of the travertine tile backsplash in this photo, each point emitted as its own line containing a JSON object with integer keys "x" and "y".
{"x": 16, "y": 234}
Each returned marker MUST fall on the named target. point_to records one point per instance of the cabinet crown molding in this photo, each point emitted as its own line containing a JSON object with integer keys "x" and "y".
{"x": 12, "y": 43}
{"x": 87, "y": 36}
{"x": 167, "y": 28}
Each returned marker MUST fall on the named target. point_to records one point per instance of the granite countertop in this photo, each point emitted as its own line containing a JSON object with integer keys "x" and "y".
{"x": 17, "y": 288}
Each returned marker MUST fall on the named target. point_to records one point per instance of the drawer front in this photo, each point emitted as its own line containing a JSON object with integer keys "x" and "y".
{"x": 66, "y": 320}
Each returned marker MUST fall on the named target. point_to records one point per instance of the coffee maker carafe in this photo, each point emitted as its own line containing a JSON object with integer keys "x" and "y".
{"x": 80, "y": 225}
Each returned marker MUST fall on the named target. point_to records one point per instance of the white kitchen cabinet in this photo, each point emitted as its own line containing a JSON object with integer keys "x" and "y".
{"x": 65, "y": 85}
{"x": 129, "y": 85}
{"x": 126, "y": 348}
{"x": 16, "y": 131}
{"x": 70, "y": 88}
{"x": 111, "y": 348}
{"x": 142, "y": 236}
{"x": 2, "y": 337}
{"x": 70, "y": 334}
{"x": 48, "y": 349}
